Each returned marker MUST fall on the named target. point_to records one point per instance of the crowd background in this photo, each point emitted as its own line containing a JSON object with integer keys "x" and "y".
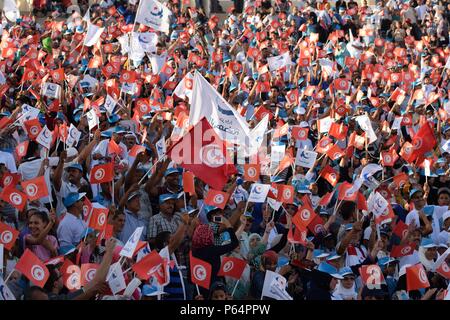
{"x": 386, "y": 62}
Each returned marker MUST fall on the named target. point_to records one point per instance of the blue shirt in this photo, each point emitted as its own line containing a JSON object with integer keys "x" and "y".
{"x": 132, "y": 221}
{"x": 70, "y": 230}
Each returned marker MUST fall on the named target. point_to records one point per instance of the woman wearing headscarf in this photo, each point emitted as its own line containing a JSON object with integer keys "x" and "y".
{"x": 203, "y": 248}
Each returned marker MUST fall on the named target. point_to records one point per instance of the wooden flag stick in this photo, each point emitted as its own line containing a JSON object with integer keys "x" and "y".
{"x": 149, "y": 170}
{"x": 234, "y": 289}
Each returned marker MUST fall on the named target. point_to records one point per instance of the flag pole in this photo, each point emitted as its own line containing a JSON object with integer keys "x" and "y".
{"x": 149, "y": 170}
{"x": 198, "y": 290}
{"x": 235, "y": 287}
{"x": 112, "y": 192}
{"x": 9, "y": 276}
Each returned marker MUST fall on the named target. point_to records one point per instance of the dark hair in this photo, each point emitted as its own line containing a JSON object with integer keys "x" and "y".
{"x": 346, "y": 210}
{"x": 53, "y": 276}
{"x": 217, "y": 286}
{"x": 31, "y": 290}
{"x": 42, "y": 215}
{"x": 33, "y": 146}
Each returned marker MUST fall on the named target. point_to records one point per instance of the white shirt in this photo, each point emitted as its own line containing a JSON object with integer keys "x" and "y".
{"x": 8, "y": 159}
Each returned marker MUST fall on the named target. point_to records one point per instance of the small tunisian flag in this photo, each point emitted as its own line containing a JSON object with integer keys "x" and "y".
{"x": 206, "y": 158}
{"x": 416, "y": 278}
{"x": 188, "y": 183}
{"x": 102, "y": 173}
{"x": 35, "y": 188}
{"x": 216, "y": 198}
{"x": 403, "y": 250}
{"x": 88, "y": 271}
{"x": 330, "y": 175}
{"x": 148, "y": 265}
{"x": 200, "y": 271}
{"x": 232, "y": 267}
{"x": 32, "y": 268}
{"x": 304, "y": 216}
{"x": 424, "y": 140}
{"x": 99, "y": 217}
{"x": 8, "y": 236}
{"x": 285, "y": 193}
{"x": 371, "y": 275}
{"x": 14, "y": 197}
{"x": 251, "y": 172}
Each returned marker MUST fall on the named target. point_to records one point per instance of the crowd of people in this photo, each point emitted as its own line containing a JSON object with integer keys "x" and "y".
{"x": 345, "y": 194}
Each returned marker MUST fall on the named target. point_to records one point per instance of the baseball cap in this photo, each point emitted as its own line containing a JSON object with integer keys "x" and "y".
{"x": 133, "y": 194}
{"x": 318, "y": 253}
{"x": 170, "y": 171}
{"x": 328, "y": 268}
{"x": 151, "y": 290}
{"x": 65, "y": 250}
{"x": 427, "y": 243}
{"x": 72, "y": 198}
{"x": 167, "y": 196}
{"x": 75, "y": 166}
{"x": 345, "y": 271}
{"x": 386, "y": 260}
{"x": 333, "y": 256}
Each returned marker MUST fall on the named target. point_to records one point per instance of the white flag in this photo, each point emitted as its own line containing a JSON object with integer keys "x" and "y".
{"x": 132, "y": 286}
{"x": 207, "y": 102}
{"x": 28, "y": 113}
{"x": 130, "y": 246}
{"x": 11, "y": 10}
{"x": 367, "y": 175}
{"x": 184, "y": 90}
{"x": 45, "y": 137}
{"x": 73, "y": 136}
{"x": 51, "y": 90}
{"x": 1, "y": 260}
{"x": 376, "y": 203}
{"x": 116, "y": 279}
{"x": 92, "y": 119}
{"x": 427, "y": 168}
{"x": 447, "y": 64}
{"x": 87, "y": 16}
{"x": 124, "y": 41}
{"x": 277, "y": 153}
{"x": 161, "y": 147}
{"x": 255, "y": 138}
{"x": 157, "y": 62}
{"x": 259, "y": 192}
{"x": 2, "y": 78}
{"x": 146, "y": 40}
{"x": 88, "y": 82}
{"x": 154, "y": 15}
{"x": 366, "y": 125}
{"x": 325, "y": 124}
{"x": 279, "y": 62}
{"x": 110, "y": 104}
{"x": 92, "y": 35}
{"x": 305, "y": 158}
{"x": 272, "y": 202}
{"x": 5, "y": 293}
{"x": 275, "y": 286}
{"x": 129, "y": 88}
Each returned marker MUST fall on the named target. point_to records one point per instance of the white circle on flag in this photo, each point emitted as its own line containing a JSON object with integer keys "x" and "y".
{"x": 423, "y": 276}
{"x": 302, "y": 133}
{"x": 34, "y": 130}
{"x": 292, "y": 97}
{"x": 99, "y": 174}
{"x": 336, "y": 155}
{"x": 6, "y": 236}
{"x": 318, "y": 228}
{"x": 332, "y": 176}
{"x": 405, "y": 250}
{"x": 218, "y": 198}
{"x": 85, "y": 210}
{"x": 404, "y": 233}
{"x": 305, "y": 214}
{"x": 228, "y": 266}
{"x": 15, "y": 198}
{"x": 324, "y": 143}
{"x": 251, "y": 172}
{"x": 287, "y": 193}
{"x": 387, "y": 158}
{"x": 89, "y": 275}
{"x": 199, "y": 272}
{"x": 7, "y": 181}
{"x": 212, "y": 155}
{"x": 343, "y": 84}
{"x": 395, "y": 77}
{"x": 31, "y": 189}
{"x": 109, "y": 69}
{"x": 445, "y": 267}
{"x": 126, "y": 76}
{"x": 73, "y": 281}
{"x": 37, "y": 272}
{"x": 101, "y": 219}
{"x": 56, "y": 76}
{"x": 21, "y": 149}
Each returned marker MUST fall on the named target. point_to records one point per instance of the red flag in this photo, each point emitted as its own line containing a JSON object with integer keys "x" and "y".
{"x": 102, "y": 173}
{"x": 128, "y": 76}
{"x": 292, "y": 96}
{"x": 371, "y": 275}
{"x": 88, "y": 271}
{"x": 297, "y": 235}
{"x": 388, "y": 158}
{"x": 188, "y": 183}
{"x": 33, "y": 128}
{"x": 10, "y": 180}
{"x": 8, "y": 235}
{"x": 207, "y": 158}
{"x": 424, "y": 140}
{"x": 407, "y": 152}
{"x": 341, "y": 84}
{"x": 401, "y": 229}
{"x": 135, "y": 150}
{"x": 401, "y": 179}
{"x": 57, "y": 75}
{"x": 32, "y": 268}
{"x": 148, "y": 265}
{"x": 216, "y": 198}
{"x": 113, "y": 147}
{"x": 330, "y": 175}
{"x": 335, "y": 152}
{"x": 338, "y": 130}
{"x": 87, "y": 207}
{"x": 324, "y": 145}
{"x": 325, "y": 200}
{"x": 200, "y": 271}
{"x": 304, "y": 216}
{"x": 416, "y": 277}
{"x": 403, "y": 251}
{"x": 35, "y": 188}
{"x": 299, "y": 133}
{"x": 316, "y": 225}
{"x": 232, "y": 267}
{"x": 285, "y": 193}
{"x": 444, "y": 270}
{"x": 345, "y": 193}
{"x": 261, "y": 112}
{"x": 99, "y": 218}
{"x": 287, "y": 160}
{"x": 361, "y": 202}
{"x": 14, "y": 197}
{"x": 252, "y": 172}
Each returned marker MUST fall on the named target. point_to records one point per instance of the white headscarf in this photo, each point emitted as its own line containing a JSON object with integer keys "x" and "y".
{"x": 345, "y": 294}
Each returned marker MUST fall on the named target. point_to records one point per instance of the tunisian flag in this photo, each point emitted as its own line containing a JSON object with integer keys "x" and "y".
{"x": 35, "y": 188}
{"x": 33, "y": 268}
{"x": 8, "y": 236}
{"x": 200, "y": 271}
{"x": 102, "y": 173}
{"x": 232, "y": 267}
{"x": 416, "y": 278}
{"x": 424, "y": 140}
{"x": 216, "y": 198}
{"x": 202, "y": 152}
